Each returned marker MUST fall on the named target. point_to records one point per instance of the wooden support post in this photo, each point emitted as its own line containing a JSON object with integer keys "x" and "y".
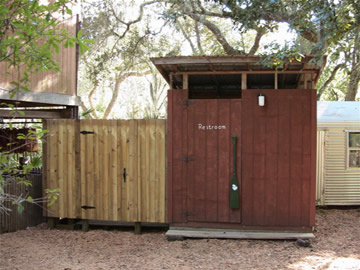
{"x": 52, "y": 222}
{"x": 171, "y": 80}
{"x": 276, "y": 80}
{"x": 85, "y": 225}
{"x": 71, "y": 223}
{"x": 243, "y": 81}
{"x": 137, "y": 228}
{"x": 185, "y": 81}
{"x": 308, "y": 81}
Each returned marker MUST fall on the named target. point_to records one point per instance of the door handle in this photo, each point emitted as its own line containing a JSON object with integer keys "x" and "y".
{"x": 124, "y": 175}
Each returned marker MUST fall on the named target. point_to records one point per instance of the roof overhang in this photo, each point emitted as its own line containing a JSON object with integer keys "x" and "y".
{"x": 168, "y": 66}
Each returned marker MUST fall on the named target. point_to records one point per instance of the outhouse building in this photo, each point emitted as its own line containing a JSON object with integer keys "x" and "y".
{"x": 241, "y": 143}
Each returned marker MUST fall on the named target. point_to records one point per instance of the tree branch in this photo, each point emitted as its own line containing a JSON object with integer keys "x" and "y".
{"x": 119, "y": 79}
{"x": 83, "y": 106}
{"x": 129, "y": 23}
{"x": 328, "y": 81}
{"x": 187, "y": 38}
{"x": 259, "y": 34}
{"x": 92, "y": 92}
{"x": 229, "y": 50}
{"x": 198, "y": 40}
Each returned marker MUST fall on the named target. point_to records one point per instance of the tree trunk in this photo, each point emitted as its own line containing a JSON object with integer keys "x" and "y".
{"x": 353, "y": 83}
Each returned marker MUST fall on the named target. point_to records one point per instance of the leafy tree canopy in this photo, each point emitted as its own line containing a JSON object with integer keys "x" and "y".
{"x": 30, "y": 34}
{"x": 325, "y": 27}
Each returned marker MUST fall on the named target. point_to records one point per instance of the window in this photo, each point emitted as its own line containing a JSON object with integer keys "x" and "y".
{"x": 354, "y": 150}
{"x": 211, "y": 86}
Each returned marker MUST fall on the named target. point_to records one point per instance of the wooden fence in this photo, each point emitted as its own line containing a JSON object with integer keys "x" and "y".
{"x": 32, "y": 213}
{"x": 106, "y": 169}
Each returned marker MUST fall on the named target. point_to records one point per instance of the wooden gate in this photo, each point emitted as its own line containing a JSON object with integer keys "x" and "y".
{"x": 200, "y": 158}
{"x": 106, "y": 169}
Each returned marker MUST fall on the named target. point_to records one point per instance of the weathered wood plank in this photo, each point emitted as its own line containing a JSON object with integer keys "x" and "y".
{"x": 224, "y": 176}
{"x": 211, "y": 160}
{"x": 77, "y": 179}
{"x": 124, "y": 168}
{"x": 133, "y": 191}
{"x": 115, "y": 185}
{"x": 223, "y": 234}
{"x": 160, "y": 164}
{"x": 271, "y": 157}
{"x": 104, "y": 170}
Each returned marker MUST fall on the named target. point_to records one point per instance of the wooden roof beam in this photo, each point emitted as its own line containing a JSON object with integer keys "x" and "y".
{"x": 37, "y": 114}
{"x": 44, "y": 98}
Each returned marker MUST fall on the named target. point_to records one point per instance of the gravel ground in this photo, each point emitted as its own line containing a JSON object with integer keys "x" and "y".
{"x": 336, "y": 246}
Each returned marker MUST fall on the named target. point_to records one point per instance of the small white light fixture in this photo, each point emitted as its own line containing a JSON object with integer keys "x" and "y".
{"x": 261, "y": 100}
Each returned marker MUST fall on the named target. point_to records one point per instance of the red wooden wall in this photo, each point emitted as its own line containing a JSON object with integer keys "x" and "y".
{"x": 198, "y": 189}
{"x": 275, "y": 160}
{"x": 278, "y": 158}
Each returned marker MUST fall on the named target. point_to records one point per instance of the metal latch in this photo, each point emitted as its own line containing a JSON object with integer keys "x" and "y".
{"x": 187, "y": 102}
{"x": 86, "y": 207}
{"x": 187, "y": 159}
{"x": 84, "y": 132}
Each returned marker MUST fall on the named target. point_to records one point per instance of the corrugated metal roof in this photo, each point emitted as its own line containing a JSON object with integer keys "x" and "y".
{"x": 338, "y": 111}
{"x": 233, "y": 63}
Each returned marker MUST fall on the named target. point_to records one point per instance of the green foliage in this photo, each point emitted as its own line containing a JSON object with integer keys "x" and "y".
{"x": 125, "y": 39}
{"x": 325, "y": 27}
{"x": 52, "y": 195}
{"x": 14, "y": 167}
{"x": 276, "y": 56}
{"x": 30, "y": 34}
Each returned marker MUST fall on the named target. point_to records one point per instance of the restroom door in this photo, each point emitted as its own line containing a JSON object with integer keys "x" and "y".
{"x": 201, "y": 158}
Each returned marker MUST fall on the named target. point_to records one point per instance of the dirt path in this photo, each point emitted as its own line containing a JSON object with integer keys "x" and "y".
{"x": 337, "y": 246}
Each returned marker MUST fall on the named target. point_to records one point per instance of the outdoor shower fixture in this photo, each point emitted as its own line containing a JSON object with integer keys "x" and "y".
{"x": 261, "y": 100}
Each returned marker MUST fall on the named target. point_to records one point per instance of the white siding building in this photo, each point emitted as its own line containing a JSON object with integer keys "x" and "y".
{"x": 338, "y": 150}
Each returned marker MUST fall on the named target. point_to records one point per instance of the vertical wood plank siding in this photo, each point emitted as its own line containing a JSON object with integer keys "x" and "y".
{"x": 278, "y": 172}
{"x": 118, "y": 170}
{"x": 63, "y": 82}
{"x": 32, "y": 213}
{"x": 60, "y": 168}
{"x": 200, "y": 161}
{"x": 275, "y": 160}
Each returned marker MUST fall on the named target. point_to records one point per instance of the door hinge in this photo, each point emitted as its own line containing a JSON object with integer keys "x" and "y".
{"x": 186, "y": 159}
{"x": 187, "y": 102}
{"x": 84, "y": 132}
{"x": 86, "y": 207}
{"x": 188, "y": 214}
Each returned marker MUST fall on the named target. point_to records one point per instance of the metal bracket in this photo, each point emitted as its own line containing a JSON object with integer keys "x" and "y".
{"x": 86, "y": 207}
{"x": 187, "y": 102}
{"x": 188, "y": 214}
{"x": 84, "y": 132}
{"x": 187, "y": 159}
